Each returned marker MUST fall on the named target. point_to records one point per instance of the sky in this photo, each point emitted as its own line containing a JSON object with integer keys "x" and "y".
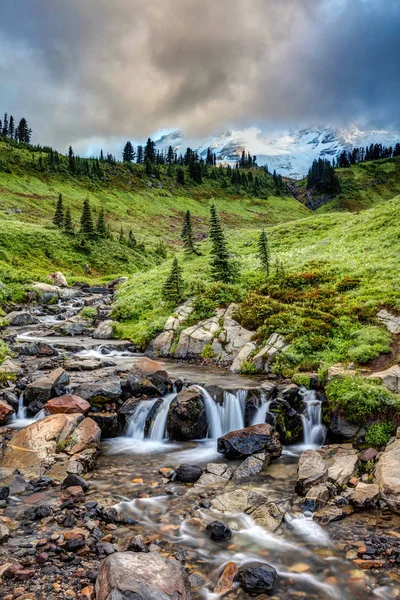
{"x": 92, "y": 73}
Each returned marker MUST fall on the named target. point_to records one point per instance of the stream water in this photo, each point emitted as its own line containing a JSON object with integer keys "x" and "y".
{"x": 310, "y": 559}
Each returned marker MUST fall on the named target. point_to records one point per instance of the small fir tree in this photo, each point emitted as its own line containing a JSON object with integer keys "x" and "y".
{"x": 87, "y": 227}
{"x": 131, "y": 239}
{"x": 101, "y": 227}
{"x": 173, "y": 287}
{"x": 187, "y": 234}
{"x": 68, "y": 224}
{"x": 180, "y": 176}
{"x": 122, "y": 238}
{"x": 263, "y": 252}
{"x": 221, "y": 266}
{"x": 128, "y": 154}
{"x": 59, "y": 214}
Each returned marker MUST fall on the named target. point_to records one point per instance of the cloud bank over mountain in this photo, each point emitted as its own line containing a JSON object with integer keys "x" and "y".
{"x": 88, "y": 69}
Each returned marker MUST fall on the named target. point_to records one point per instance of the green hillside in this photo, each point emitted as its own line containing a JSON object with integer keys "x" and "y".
{"x": 338, "y": 270}
{"x": 153, "y": 207}
{"x": 361, "y": 186}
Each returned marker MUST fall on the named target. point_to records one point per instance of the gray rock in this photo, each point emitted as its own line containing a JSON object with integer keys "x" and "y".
{"x": 104, "y": 331}
{"x": 46, "y": 387}
{"x": 311, "y": 470}
{"x": 343, "y": 467}
{"x": 387, "y": 474}
{"x": 255, "y": 439}
{"x": 364, "y": 495}
{"x": 251, "y": 466}
{"x": 140, "y": 576}
{"x": 187, "y": 419}
{"x": 392, "y": 323}
{"x": 103, "y": 390}
{"x": 20, "y": 318}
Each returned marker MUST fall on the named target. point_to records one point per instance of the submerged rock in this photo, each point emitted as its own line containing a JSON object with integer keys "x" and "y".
{"x": 141, "y": 577}
{"x": 218, "y": 531}
{"x": 188, "y": 473}
{"x": 251, "y": 440}
{"x": 258, "y": 578}
{"x": 215, "y": 474}
{"x": 187, "y": 419}
{"x": 225, "y": 582}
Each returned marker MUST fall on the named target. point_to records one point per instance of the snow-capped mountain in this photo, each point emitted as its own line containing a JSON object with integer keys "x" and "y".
{"x": 289, "y": 152}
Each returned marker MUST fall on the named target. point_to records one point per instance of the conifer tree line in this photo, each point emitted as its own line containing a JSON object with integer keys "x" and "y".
{"x": 18, "y": 133}
{"x": 372, "y": 152}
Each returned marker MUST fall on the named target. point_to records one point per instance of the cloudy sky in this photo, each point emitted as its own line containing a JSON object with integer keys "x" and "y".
{"x": 92, "y": 72}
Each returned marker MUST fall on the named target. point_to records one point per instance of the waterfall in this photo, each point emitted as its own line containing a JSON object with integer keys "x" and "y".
{"x": 225, "y": 418}
{"x": 232, "y": 411}
{"x": 21, "y": 414}
{"x": 158, "y": 430}
{"x": 213, "y": 415}
{"x": 137, "y": 421}
{"x": 262, "y": 411}
{"x": 314, "y": 430}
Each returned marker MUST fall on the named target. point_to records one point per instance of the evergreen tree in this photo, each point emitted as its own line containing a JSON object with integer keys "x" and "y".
{"x": 173, "y": 287}
{"x": 59, "y": 214}
{"x": 150, "y": 151}
{"x": 180, "y": 176}
{"x": 4, "y": 131}
{"x": 23, "y": 132}
{"x": 128, "y": 155}
{"x": 11, "y": 128}
{"x": 263, "y": 252}
{"x": 68, "y": 224}
{"x": 122, "y": 238}
{"x": 71, "y": 160}
{"x": 139, "y": 155}
{"x": 187, "y": 234}
{"x": 221, "y": 266}
{"x": 87, "y": 227}
{"x": 101, "y": 227}
{"x": 131, "y": 239}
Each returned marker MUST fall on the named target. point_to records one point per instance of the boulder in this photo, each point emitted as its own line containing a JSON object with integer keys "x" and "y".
{"x": 35, "y": 446}
{"x": 58, "y": 279}
{"x": 85, "y": 364}
{"x": 215, "y": 474}
{"x": 218, "y": 531}
{"x": 316, "y": 497}
{"x": 161, "y": 345}
{"x": 390, "y": 321}
{"x": 142, "y": 576}
{"x": 341, "y": 430}
{"x": 101, "y": 391}
{"x": 340, "y": 370}
{"x": 368, "y": 455}
{"x": 74, "y": 326}
{"x": 20, "y": 318}
{"x": 4, "y": 533}
{"x": 46, "y": 387}
{"x": 67, "y": 404}
{"x": 104, "y": 330}
{"x": 311, "y": 470}
{"x": 111, "y": 425}
{"x": 390, "y": 378}
{"x": 258, "y": 578}
{"x": 6, "y": 412}
{"x": 45, "y": 292}
{"x": 148, "y": 378}
{"x": 86, "y": 436}
{"x": 35, "y": 349}
{"x": 251, "y": 466}
{"x": 330, "y": 513}
{"x": 275, "y": 345}
{"x": 250, "y": 440}
{"x": 239, "y": 501}
{"x": 187, "y": 418}
{"x": 242, "y": 356}
{"x": 365, "y": 495}
{"x": 387, "y": 475}
{"x": 188, "y": 473}
{"x": 230, "y": 341}
{"x": 343, "y": 467}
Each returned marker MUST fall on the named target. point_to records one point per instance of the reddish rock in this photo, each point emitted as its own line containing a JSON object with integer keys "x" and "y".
{"x": 67, "y": 404}
{"x": 145, "y": 367}
{"x": 225, "y": 582}
{"x": 86, "y": 435}
{"x": 367, "y": 455}
{"x": 368, "y": 564}
{"x": 6, "y": 411}
{"x": 74, "y": 493}
{"x": 87, "y": 593}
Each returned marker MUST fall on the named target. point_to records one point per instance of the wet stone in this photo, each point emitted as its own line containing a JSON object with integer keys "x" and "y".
{"x": 218, "y": 531}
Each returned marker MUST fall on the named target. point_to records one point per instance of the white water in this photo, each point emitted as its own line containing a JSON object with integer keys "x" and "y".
{"x": 103, "y": 353}
{"x": 231, "y": 413}
{"x": 158, "y": 431}
{"x": 308, "y": 529}
{"x": 137, "y": 421}
{"x": 20, "y": 420}
{"x": 262, "y": 411}
{"x": 213, "y": 415}
{"x": 313, "y": 430}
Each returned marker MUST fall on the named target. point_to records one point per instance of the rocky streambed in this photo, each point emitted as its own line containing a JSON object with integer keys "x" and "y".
{"x": 126, "y": 478}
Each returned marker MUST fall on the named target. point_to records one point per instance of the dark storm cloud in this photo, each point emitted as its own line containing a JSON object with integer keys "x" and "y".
{"x": 85, "y": 68}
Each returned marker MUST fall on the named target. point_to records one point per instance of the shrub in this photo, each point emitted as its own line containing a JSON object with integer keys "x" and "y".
{"x": 89, "y": 312}
{"x": 368, "y": 342}
{"x": 378, "y": 434}
{"x": 248, "y": 368}
{"x": 3, "y": 351}
{"x": 361, "y": 399}
{"x": 208, "y": 352}
{"x": 302, "y": 379}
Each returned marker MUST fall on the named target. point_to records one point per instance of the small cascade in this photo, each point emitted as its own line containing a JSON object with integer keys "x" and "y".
{"x": 103, "y": 351}
{"x": 232, "y": 411}
{"x": 262, "y": 411}
{"x": 158, "y": 430}
{"x": 213, "y": 415}
{"x": 137, "y": 421}
{"x": 22, "y": 410}
{"x": 314, "y": 430}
